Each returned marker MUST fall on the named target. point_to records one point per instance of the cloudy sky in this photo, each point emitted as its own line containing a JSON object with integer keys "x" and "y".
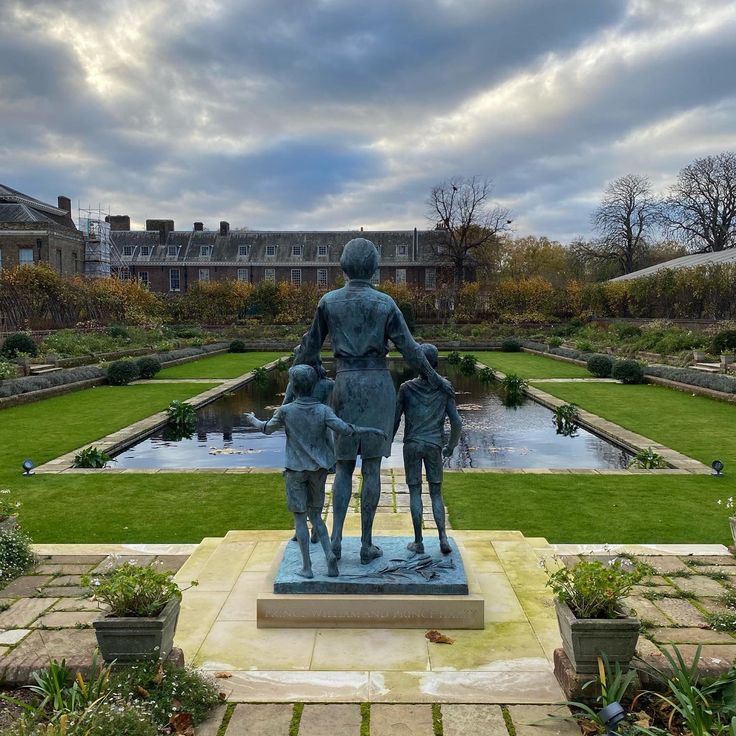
{"x": 332, "y": 114}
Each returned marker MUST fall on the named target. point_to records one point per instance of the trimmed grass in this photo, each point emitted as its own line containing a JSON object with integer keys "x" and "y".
{"x": 695, "y": 425}
{"x": 529, "y": 365}
{"x": 46, "y": 429}
{"x": 223, "y": 365}
{"x": 129, "y": 508}
{"x": 591, "y": 509}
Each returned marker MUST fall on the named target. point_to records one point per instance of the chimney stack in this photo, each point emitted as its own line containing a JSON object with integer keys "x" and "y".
{"x": 118, "y": 222}
{"x": 164, "y": 227}
{"x": 198, "y": 227}
{"x": 65, "y": 204}
{"x": 224, "y": 227}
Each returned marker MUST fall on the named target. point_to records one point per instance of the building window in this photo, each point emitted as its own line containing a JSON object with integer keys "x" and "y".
{"x": 270, "y": 251}
{"x": 296, "y": 276}
{"x": 75, "y": 261}
{"x": 296, "y": 251}
{"x": 400, "y": 275}
{"x": 143, "y": 277}
{"x": 243, "y": 251}
{"x": 174, "y": 283}
{"x": 322, "y": 251}
{"x": 59, "y": 260}
{"x": 39, "y": 243}
{"x": 321, "y": 277}
{"x": 401, "y": 251}
{"x": 127, "y": 251}
{"x": 269, "y": 274}
{"x": 145, "y": 250}
{"x": 243, "y": 274}
{"x": 204, "y": 274}
{"x": 204, "y": 250}
{"x": 376, "y": 278}
{"x": 171, "y": 251}
{"x": 25, "y": 256}
{"x": 125, "y": 274}
{"x": 430, "y": 278}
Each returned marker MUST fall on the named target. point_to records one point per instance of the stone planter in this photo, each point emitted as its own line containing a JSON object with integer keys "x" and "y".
{"x": 9, "y": 524}
{"x": 727, "y": 359}
{"x": 131, "y": 639}
{"x": 585, "y": 639}
{"x": 699, "y": 356}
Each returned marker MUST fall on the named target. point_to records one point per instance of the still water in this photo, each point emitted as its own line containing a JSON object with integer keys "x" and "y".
{"x": 494, "y": 436}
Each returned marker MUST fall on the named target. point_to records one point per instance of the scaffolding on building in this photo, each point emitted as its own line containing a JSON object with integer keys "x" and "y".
{"x": 101, "y": 255}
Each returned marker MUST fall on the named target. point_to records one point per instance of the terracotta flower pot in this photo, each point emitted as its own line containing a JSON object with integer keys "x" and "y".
{"x": 131, "y": 638}
{"x": 585, "y": 639}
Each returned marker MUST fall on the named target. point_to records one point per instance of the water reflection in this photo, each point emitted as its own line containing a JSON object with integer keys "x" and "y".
{"x": 494, "y": 436}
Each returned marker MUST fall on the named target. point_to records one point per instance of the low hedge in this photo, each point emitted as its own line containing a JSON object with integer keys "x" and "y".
{"x": 713, "y": 381}
{"x": 600, "y": 365}
{"x": 628, "y": 371}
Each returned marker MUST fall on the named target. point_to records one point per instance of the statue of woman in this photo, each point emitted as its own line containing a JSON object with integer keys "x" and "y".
{"x": 360, "y": 321}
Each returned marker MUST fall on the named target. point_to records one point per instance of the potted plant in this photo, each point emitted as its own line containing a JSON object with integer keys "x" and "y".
{"x": 728, "y": 504}
{"x": 587, "y": 601}
{"x": 8, "y": 511}
{"x": 143, "y": 608}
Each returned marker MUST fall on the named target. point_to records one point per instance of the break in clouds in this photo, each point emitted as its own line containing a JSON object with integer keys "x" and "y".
{"x": 334, "y": 114}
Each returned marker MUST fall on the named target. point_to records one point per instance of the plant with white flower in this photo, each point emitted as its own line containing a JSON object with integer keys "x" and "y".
{"x": 727, "y": 504}
{"x": 8, "y": 505}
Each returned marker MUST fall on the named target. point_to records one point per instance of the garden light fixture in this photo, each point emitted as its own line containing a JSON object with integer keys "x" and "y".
{"x": 28, "y": 467}
{"x": 717, "y": 466}
{"x": 612, "y": 715}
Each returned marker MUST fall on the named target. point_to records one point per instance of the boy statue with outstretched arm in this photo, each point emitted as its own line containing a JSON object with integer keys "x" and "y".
{"x": 309, "y": 455}
{"x": 424, "y": 408}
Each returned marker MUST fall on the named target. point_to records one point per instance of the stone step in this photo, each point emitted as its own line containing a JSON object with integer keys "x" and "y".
{"x": 707, "y": 367}
{"x": 197, "y": 561}
{"x": 42, "y": 368}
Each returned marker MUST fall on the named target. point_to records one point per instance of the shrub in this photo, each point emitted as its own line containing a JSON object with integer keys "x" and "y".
{"x": 468, "y": 365}
{"x": 8, "y": 506}
{"x": 92, "y": 457}
{"x": 724, "y": 342}
{"x": 513, "y": 386}
{"x": 407, "y": 309}
{"x": 7, "y": 369}
{"x": 118, "y": 332}
{"x": 122, "y": 372}
{"x": 647, "y": 460}
{"x": 20, "y": 342}
{"x": 169, "y": 689}
{"x": 148, "y": 367}
{"x": 486, "y": 374}
{"x": 600, "y": 365}
{"x": 626, "y": 332}
{"x": 454, "y": 358}
{"x": 510, "y": 345}
{"x": 134, "y": 590}
{"x": 555, "y": 341}
{"x": 628, "y": 371}
{"x": 584, "y": 346}
{"x": 16, "y": 555}
{"x": 566, "y": 420}
{"x": 236, "y": 346}
{"x": 592, "y": 589}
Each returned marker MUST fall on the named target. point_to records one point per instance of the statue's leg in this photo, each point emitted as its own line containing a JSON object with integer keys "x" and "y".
{"x": 342, "y": 490}
{"x": 438, "y": 511}
{"x": 417, "y": 510}
{"x": 320, "y": 528}
{"x": 302, "y": 536}
{"x": 369, "y": 495}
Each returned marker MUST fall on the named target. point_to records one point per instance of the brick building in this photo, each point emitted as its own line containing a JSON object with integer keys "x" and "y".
{"x": 171, "y": 260}
{"x": 32, "y": 231}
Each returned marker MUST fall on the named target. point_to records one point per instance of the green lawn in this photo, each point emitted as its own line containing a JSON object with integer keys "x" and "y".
{"x": 223, "y": 365}
{"x": 530, "y": 365}
{"x": 596, "y": 508}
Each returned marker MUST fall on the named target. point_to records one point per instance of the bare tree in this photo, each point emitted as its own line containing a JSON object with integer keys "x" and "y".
{"x": 462, "y": 208}
{"x": 701, "y": 206}
{"x": 626, "y": 215}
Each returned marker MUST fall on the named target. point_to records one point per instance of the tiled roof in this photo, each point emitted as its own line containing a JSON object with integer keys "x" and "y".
{"x": 691, "y": 261}
{"x": 8, "y": 194}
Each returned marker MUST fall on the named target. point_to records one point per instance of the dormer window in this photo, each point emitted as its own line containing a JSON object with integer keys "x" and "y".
{"x": 270, "y": 251}
{"x": 204, "y": 250}
{"x": 322, "y": 251}
{"x": 296, "y": 251}
{"x": 401, "y": 251}
{"x": 172, "y": 250}
{"x": 243, "y": 251}
{"x": 127, "y": 251}
{"x": 145, "y": 250}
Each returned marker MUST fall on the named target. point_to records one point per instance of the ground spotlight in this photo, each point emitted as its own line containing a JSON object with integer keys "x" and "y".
{"x": 612, "y": 715}
{"x": 717, "y": 466}
{"x": 28, "y": 467}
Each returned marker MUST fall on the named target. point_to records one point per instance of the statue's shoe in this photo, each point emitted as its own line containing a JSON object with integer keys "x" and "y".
{"x": 416, "y": 547}
{"x": 314, "y": 538}
{"x": 367, "y": 554}
{"x": 445, "y": 547}
{"x": 332, "y": 570}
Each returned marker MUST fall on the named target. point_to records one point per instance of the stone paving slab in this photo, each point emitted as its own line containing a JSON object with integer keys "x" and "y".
{"x": 272, "y": 719}
{"x": 473, "y": 720}
{"x": 412, "y": 720}
{"x": 338, "y": 719}
{"x": 534, "y": 720}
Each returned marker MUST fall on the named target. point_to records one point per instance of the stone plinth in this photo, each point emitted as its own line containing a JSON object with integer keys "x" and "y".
{"x": 340, "y": 611}
{"x": 397, "y": 572}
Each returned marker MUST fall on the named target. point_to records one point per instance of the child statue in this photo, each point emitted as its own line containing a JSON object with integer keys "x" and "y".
{"x": 309, "y": 455}
{"x": 425, "y": 407}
